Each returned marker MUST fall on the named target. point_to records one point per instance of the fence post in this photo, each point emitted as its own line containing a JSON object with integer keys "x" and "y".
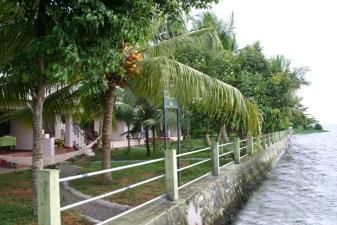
{"x": 215, "y": 159}
{"x": 250, "y": 147}
{"x": 48, "y": 197}
{"x": 171, "y": 175}
{"x": 269, "y": 140}
{"x": 237, "y": 150}
{"x": 258, "y": 142}
{"x": 264, "y": 140}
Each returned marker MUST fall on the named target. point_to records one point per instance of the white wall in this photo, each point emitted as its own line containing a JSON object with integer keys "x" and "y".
{"x": 173, "y": 134}
{"x": 118, "y": 130}
{"x": 23, "y": 134}
{"x": 97, "y": 126}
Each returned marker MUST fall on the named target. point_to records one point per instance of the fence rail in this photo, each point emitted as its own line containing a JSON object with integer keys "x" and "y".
{"x": 49, "y": 209}
{"x": 193, "y": 165}
{"x": 193, "y": 152}
{"x": 110, "y": 170}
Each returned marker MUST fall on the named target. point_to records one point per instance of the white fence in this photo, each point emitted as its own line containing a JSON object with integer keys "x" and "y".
{"x": 49, "y": 207}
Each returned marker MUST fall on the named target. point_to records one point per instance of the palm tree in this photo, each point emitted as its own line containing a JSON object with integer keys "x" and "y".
{"x": 158, "y": 71}
{"x": 284, "y": 83}
{"x": 16, "y": 99}
{"x": 147, "y": 116}
{"x": 32, "y": 62}
{"x": 225, "y": 31}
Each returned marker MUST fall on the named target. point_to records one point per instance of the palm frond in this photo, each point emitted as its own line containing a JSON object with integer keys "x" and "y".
{"x": 206, "y": 38}
{"x": 189, "y": 85}
{"x": 124, "y": 112}
{"x": 64, "y": 100}
{"x": 225, "y": 30}
{"x": 150, "y": 122}
{"x": 23, "y": 115}
{"x": 16, "y": 34}
{"x": 14, "y": 94}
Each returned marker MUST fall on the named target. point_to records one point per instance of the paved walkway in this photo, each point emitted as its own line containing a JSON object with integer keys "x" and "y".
{"x": 95, "y": 211}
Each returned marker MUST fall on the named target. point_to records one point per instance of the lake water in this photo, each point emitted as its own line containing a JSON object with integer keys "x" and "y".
{"x": 301, "y": 188}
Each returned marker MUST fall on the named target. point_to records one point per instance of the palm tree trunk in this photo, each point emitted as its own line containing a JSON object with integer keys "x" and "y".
{"x": 219, "y": 134}
{"x": 147, "y": 142}
{"x": 128, "y": 137}
{"x": 37, "y": 93}
{"x": 154, "y": 146}
{"x": 37, "y": 110}
{"x": 225, "y": 134}
{"x": 207, "y": 140}
{"x": 107, "y": 131}
{"x": 99, "y": 142}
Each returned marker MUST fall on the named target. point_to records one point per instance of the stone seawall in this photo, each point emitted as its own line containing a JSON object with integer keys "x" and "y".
{"x": 210, "y": 200}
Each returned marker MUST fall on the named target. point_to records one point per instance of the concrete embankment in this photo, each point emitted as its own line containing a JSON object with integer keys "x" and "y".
{"x": 210, "y": 200}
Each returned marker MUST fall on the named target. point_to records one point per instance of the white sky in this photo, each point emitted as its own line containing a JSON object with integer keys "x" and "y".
{"x": 305, "y": 31}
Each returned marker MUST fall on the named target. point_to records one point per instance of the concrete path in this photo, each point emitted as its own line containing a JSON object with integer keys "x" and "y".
{"x": 95, "y": 211}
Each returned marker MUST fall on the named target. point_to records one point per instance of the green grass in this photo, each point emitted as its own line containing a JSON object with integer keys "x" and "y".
{"x": 16, "y": 198}
{"x": 93, "y": 185}
{"x": 16, "y": 193}
{"x": 15, "y": 201}
{"x": 138, "y": 153}
{"x": 308, "y": 131}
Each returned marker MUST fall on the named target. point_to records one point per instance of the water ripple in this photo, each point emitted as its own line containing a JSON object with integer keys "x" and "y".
{"x": 301, "y": 189}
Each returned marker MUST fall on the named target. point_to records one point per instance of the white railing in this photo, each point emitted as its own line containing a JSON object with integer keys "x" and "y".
{"x": 110, "y": 170}
{"x": 49, "y": 206}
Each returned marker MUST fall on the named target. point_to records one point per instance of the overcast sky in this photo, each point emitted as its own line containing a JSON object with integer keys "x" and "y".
{"x": 305, "y": 31}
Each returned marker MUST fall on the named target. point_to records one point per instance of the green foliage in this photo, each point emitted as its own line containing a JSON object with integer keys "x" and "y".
{"x": 59, "y": 143}
{"x": 308, "y": 130}
{"x": 225, "y": 30}
{"x": 269, "y": 83}
{"x": 318, "y": 126}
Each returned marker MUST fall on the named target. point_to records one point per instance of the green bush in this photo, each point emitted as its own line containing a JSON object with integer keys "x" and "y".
{"x": 59, "y": 143}
{"x": 318, "y": 126}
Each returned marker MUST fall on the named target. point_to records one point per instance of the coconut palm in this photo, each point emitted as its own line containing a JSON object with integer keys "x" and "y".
{"x": 225, "y": 30}
{"x": 159, "y": 71}
{"x": 33, "y": 54}
{"x": 151, "y": 69}
{"x": 146, "y": 117}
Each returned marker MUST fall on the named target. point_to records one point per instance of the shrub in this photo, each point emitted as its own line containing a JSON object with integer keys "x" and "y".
{"x": 318, "y": 126}
{"x": 59, "y": 143}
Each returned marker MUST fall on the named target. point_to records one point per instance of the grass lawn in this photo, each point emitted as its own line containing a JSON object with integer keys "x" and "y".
{"x": 15, "y": 201}
{"x": 93, "y": 185}
{"x": 308, "y": 131}
{"x": 16, "y": 193}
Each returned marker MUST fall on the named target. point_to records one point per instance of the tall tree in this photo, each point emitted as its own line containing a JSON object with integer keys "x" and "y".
{"x": 106, "y": 30}
{"x": 220, "y": 64}
{"x": 107, "y": 41}
{"x": 35, "y": 59}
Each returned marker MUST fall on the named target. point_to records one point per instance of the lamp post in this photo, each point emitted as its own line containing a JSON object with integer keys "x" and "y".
{"x": 171, "y": 103}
